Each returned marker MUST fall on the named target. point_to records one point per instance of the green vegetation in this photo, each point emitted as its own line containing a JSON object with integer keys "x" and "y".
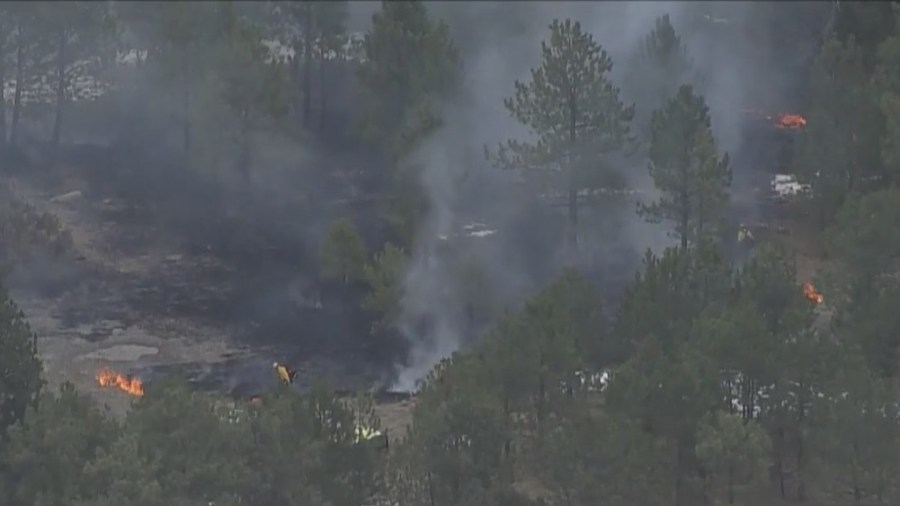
{"x": 686, "y": 169}
{"x": 384, "y": 277}
{"x": 575, "y": 111}
{"x": 25, "y": 230}
{"x": 343, "y": 255}
{"x": 708, "y": 383}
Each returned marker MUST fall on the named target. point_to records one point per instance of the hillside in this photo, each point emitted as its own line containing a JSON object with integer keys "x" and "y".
{"x": 449, "y": 254}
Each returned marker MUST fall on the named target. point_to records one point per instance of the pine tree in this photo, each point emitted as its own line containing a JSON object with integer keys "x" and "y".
{"x": 686, "y": 169}
{"x": 575, "y": 112}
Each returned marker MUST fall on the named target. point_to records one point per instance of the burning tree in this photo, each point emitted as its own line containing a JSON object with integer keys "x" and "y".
{"x": 575, "y": 113}
{"x": 686, "y": 168}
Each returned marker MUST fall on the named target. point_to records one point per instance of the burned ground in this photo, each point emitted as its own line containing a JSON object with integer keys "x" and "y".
{"x": 182, "y": 267}
{"x": 222, "y": 280}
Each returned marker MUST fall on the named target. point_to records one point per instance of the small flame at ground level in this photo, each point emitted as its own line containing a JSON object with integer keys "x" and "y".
{"x": 791, "y": 121}
{"x": 809, "y": 290}
{"x": 127, "y": 384}
{"x": 782, "y": 121}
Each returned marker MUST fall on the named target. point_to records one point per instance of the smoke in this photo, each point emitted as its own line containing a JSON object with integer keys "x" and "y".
{"x": 500, "y": 43}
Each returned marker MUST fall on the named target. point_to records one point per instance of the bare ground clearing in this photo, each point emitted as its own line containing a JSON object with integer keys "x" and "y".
{"x": 141, "y": 300}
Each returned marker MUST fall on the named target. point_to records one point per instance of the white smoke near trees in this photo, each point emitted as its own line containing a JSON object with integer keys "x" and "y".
{"x": 500, "y": 43}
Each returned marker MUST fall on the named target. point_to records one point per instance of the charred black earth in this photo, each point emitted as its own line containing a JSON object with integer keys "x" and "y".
{"x": 182, "y": 258}
{"x": 163, "y": 256}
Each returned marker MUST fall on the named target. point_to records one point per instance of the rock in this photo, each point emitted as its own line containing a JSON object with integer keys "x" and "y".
{"x": 67, "y": 197}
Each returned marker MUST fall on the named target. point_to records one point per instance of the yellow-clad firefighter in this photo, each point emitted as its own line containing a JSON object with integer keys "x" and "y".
{"x": 370, "y": 435}
{"x": 366, "y": 433}
{"x": 285, "y": 373}
{"x": 744, "y": 234}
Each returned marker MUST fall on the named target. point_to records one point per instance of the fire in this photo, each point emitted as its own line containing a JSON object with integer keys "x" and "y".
{"x": 127, "y": 384}
{"x": 790, "y": 121}
{"x": 809, "y": 290}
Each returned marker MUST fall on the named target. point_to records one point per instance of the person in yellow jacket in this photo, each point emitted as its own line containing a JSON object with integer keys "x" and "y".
{"x": 285, "y": 373}
{"x": 744, "y": 234}
{"x": 368, "y": 434}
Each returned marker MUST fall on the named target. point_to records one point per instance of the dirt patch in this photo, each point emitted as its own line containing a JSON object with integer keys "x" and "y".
{"x": 171, "y": 284}
{"x": 121, "y": 353}
{"x": 396, "y": 417}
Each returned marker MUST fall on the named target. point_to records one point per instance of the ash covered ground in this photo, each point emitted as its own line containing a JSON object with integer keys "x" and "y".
{"x": 174, "y": 270}
{"x": 174, "y": 278}
{"x": 185, "y": 280}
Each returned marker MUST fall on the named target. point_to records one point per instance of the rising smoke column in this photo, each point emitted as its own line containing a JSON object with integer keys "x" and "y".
{"x": 499, "y": 43}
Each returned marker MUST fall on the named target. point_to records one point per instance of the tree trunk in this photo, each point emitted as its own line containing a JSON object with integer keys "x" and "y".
{"x": 60, "y": 88}
{"x": 779, "y": 462}
{"x": 296, "y": 79}
{"x": 2, "y": 101}
{"x": 542, "y": 394}
{"x": 573, "y": 219}
{"x": 245, "y": 152}
{"x": 854, "y": 475}
{"x": 801, "y": 419}
{"x": 430, "y": 489}
{"x": 323, "y": 96}
{"x": 730, "y": 484}
{"x": 573, "y": 187}
{"x": 685, "y": 216}
{"x": 801, "y": 485}
{"x": 507, "y": 443}
{"x": 186, "y": 104}
{"x": 680, "y": 467}
{"x": 17, "y": 98}
{"x": 307, "y": 67}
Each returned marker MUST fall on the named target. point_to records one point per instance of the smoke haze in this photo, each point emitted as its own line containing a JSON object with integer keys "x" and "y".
{"x": 500, "y": 43}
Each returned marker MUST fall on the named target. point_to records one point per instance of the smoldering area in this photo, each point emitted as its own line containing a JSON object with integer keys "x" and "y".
{"x": 246, "y": 261}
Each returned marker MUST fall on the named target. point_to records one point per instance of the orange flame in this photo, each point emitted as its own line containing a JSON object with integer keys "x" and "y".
{"x": 127, "y": 384}
{"x": 790, "y": 121}
{"x": 809, "y": 290}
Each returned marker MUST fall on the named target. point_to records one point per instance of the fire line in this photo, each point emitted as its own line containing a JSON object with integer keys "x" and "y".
{"x": 127, "y": 384}
{"x": 790, "y": 121}
{"x": 809, "y": 290}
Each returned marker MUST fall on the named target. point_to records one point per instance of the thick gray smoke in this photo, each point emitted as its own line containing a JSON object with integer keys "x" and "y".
{"x": 499, "y": 43}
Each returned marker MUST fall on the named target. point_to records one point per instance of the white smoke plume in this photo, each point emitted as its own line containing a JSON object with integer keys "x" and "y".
{"x": 499, "y": 43}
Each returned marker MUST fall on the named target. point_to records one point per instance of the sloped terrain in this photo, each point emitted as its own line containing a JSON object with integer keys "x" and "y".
{"x": 154, "y": 281}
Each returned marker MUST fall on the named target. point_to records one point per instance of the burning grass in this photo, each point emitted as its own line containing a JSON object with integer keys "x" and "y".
{"x": 126, "y": 383}
{"x": 790, "y": 121}
{"x": 783, "y": 121}
{"x": 810, "y": 292}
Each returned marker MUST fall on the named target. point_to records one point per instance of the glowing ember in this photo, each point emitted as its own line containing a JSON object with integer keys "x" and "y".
{"x": 809, "y": 290}
{"x": 127, "y": 384}
{"x": 790, "y": 121}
